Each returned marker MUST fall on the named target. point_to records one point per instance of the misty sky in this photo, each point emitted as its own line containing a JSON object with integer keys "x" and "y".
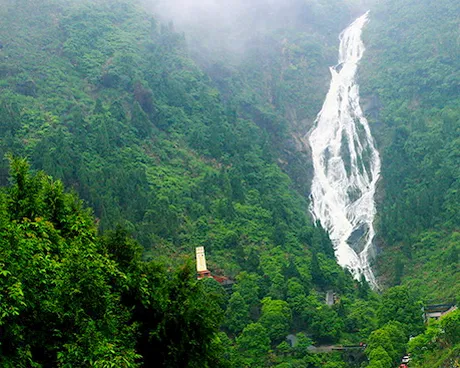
{"x": 231, "y": 24}
{"x": 219, "y": 24}
{"x": 227, "y": 24}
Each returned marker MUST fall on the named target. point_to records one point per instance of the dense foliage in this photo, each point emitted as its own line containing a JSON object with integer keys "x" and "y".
{"x": 116, "y": 109}
{"x": 411, "y": 79}
{"x": 69, "y": 298}
{"x": 180, "y": 154}
{"x": 276, "y": 75}
{"x": 439, "y": 346}
{"x": 105, "y": 98}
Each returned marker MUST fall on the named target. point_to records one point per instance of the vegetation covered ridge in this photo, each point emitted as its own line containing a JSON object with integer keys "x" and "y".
{"x": 106, "y": 99}
{"x": 410, "y": 79}
{"x": 102, "y": 96}
{"x": 71, "y": 297}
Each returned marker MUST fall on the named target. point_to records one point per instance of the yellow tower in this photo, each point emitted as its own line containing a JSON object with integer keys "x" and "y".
{"x": 201, "y": 268}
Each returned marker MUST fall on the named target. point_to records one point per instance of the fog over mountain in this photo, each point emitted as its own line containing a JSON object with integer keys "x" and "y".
{"x": 231, "y": 25}
{"x": 190, "y": 125}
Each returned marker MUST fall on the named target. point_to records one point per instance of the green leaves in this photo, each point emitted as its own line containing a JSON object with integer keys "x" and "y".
{"x": 237, "y": 314}
{"x": 276, "y": 318}
{"x": 407, "y": 75}
{"x": 387, "y": 345}
{"x": 253, "y": 345}
{"x": 439, "y": 344}
{"x": 69, "y": 298}
{"x": 399, "y": 304}
{"x": 451, "y": 326}
{"x": 326, "y": 325}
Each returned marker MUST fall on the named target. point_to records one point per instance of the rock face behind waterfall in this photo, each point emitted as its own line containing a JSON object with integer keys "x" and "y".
{"x": 346, "y": 162}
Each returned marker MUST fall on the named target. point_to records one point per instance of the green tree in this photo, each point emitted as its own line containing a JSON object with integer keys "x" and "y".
{"x": 398, "y": 304}
{"x": 361, "y": 317}
{"x": 450, "y": 323}
{"x": 326, "y": 325}
{"x": 297, "y": 301}
{"x": 180, "y": 328}
{"x": 380, "y": 358}
{"x": 276, "y": 318}
{"x": 302, "y": 345}
{"x": 253, "y": 345}
{"x": 296, "y": 296}
{"x": 390, "y": 340}
{"x": 65, "y": 293}
{"x": 247, "y": 285}
{"x": 426, "y": 342}
{"x": 237, "y": 314}
{"x": 69, "y": 298}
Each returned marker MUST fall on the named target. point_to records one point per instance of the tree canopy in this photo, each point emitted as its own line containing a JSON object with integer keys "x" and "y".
{"x": 71, "y": 298}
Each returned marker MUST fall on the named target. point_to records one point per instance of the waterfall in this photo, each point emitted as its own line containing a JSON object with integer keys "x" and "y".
{"x": 346, "y": 163}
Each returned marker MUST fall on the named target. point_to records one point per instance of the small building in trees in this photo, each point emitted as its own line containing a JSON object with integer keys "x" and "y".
{"x": 203, "y": 272}
{"x": 436, "y": 311}
{"x": 201, "y": 268}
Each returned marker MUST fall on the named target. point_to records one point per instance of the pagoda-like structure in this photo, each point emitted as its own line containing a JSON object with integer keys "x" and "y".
{"x": 201, "y": 269}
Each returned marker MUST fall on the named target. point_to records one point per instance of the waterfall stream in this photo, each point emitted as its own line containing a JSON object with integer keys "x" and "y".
{"x": 346, "y": 163}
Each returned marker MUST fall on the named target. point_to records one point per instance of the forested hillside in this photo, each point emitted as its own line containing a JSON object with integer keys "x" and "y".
{"x": 411, "y": 80}
{"x": 72, "y": 298}
{"x": 103, "y": 96}
{"x": 270, "y": 61}
{"x": 142, "y": 139}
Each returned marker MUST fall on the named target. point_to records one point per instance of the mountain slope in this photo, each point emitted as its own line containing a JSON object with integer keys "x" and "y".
{"x": 411, "y": 80}
{"x": 108, "y": 100}
{"x": 103, "y": 97}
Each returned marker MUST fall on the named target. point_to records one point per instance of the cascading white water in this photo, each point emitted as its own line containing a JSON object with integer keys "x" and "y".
{"x": 346, "y": 163}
